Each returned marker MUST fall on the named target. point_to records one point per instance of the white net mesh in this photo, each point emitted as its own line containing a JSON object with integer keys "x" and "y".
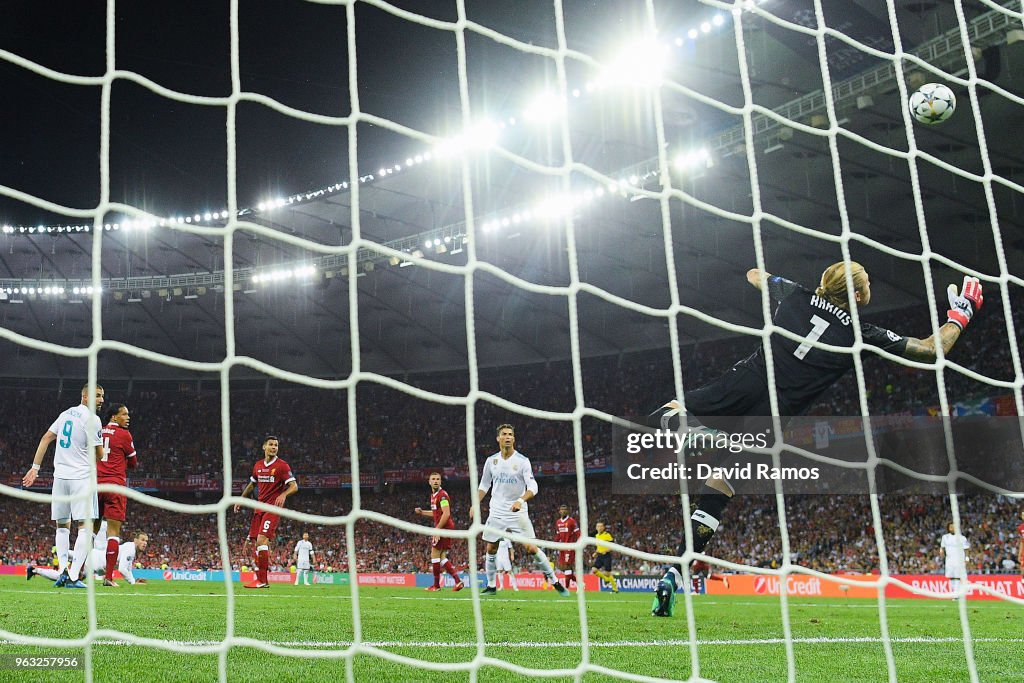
{"x": 830, "y": 104}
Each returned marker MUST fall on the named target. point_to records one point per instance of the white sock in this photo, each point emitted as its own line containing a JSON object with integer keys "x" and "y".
{"x": 545, "y": 567}
{"x": 298, "y": 575}
{"x": 954, "y": 585}
{"x": 512, "y": 581}
{"x": 63, "y": 541}
{"x": 83, "y": 546}
{"x": 47, "y": 573}
{"x": 490, "y": 569}
{"x": 100, "y": 542}
{"x": 677, "y": 578}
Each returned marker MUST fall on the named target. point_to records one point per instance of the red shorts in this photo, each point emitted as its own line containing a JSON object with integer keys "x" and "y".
{"x": 566, "y": 559}
{"x": 113, "y": 506}
{"x": 263, "y": 524}
{"x": 442, "y": 543}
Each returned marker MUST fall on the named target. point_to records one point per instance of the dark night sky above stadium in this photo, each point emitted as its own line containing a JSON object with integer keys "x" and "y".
{"x": 164, "y": 152}
{"x": 168, "y": 155}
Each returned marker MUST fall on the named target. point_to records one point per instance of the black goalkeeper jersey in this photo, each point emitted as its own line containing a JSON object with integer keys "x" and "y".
{"x": 803, "y": 372}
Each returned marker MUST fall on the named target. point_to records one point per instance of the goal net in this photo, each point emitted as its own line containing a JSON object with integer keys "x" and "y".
{"x": 443, "y": 212}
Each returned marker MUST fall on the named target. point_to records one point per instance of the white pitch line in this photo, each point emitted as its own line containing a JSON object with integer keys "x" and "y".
{"x": 820, "y": 640}
{"x": 364, "y": 594}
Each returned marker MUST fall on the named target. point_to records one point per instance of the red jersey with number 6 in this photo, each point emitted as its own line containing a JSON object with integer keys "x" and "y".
{"x": 271, "y": 479}
{"x": 118, "y": 455}
{"x": 438, "y": 502}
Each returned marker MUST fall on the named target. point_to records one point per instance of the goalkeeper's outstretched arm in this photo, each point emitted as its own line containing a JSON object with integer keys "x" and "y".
{"x": 962, "y": 308}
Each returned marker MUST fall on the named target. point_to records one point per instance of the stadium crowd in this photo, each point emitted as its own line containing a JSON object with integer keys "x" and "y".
{"x": 178, "y": 433}
{"x": 828, "y": 533}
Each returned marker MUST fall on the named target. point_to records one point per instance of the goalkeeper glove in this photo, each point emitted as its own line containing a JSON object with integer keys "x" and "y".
{"x": 964, "y": 305}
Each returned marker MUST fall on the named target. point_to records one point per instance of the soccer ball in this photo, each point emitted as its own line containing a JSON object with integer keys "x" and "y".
{"x": 932, "y": 103}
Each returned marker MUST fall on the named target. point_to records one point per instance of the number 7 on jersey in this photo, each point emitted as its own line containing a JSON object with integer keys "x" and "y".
{"x": 818, "y": 327}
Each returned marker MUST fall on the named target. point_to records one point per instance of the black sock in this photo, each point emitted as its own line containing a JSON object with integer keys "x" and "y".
{"x": 704, "y": 520}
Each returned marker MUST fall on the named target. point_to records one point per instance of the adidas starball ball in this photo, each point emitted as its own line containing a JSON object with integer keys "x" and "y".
{"x": 932, "y": 103}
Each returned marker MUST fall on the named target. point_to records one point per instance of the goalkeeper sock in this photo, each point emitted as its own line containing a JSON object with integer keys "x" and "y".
{"x": 262, "y": 563}
{"x": 435, "y": 566}
{"x": 63, "y": 542}
{"x": 490, "y": 569}
{"x": 113, "y": 547}
{"x": 545, "y": 566}
{"x": 83, "y": 544}
{"x": 704, "y": 520}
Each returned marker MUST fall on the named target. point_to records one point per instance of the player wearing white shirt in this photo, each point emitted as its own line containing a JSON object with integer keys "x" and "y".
{"x": 508, "y": 476}
{"x": 503, "y": 564}
{"x": 77, "y": 432}
{"x": 302, "y": 557}
{"x": 125, "y": 561}
{"x": 953, "y": 547}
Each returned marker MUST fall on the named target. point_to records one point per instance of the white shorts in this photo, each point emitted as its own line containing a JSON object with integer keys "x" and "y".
{"x": 79, "y": 510}
{"x": 955, "y": 571}
{"x": 500, "y": 525}
{"x": 502, "y": 563}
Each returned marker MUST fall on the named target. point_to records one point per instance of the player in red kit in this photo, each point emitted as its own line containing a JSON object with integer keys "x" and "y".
{"x": 273, "y": 480}
{"x": 441, "y": 512}
{"x": 568, "y": 531}
{"x": 702, "y": 570}
{"x": 112, "y": 468}
{"x": 1020, "y": 545}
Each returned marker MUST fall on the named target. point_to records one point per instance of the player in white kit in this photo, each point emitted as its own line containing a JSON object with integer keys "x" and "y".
{"x": 125, "y": 561}
{"x": 503, "y": 564}
{"x": 302, "y": 557}
{"x": 508, "y": 475}
{"x": 78, "y": 433}
{"x": 952, "y": 547}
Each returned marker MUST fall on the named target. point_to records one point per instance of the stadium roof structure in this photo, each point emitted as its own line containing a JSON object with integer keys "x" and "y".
{"x": 164, "y": 288}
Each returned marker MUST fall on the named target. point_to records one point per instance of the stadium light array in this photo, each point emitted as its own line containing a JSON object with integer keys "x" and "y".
{"x": 50, "y": 290}
{"x": 544, "y": 108}
{"x": 642, "y": 62}
{"x": 695, "y": 159}
{"x": 479, "y": 136}
{"x": 285, "y": 274}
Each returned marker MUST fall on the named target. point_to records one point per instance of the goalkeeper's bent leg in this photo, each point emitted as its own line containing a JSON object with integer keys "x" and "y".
{"x": 703, "y": 524}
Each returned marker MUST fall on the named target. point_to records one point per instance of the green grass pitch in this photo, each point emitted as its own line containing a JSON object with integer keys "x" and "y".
{"x": 741, "y": 638}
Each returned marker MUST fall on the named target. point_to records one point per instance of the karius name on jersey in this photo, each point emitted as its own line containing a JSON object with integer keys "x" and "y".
{"x": 843, "y": 316}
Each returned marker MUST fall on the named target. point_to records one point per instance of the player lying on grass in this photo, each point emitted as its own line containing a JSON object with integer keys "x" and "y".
{"x": 125, "y": 564}
{"x": 802, "y": 374}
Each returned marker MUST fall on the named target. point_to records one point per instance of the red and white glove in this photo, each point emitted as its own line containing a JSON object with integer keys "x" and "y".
{"x": 964, "y": 305}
